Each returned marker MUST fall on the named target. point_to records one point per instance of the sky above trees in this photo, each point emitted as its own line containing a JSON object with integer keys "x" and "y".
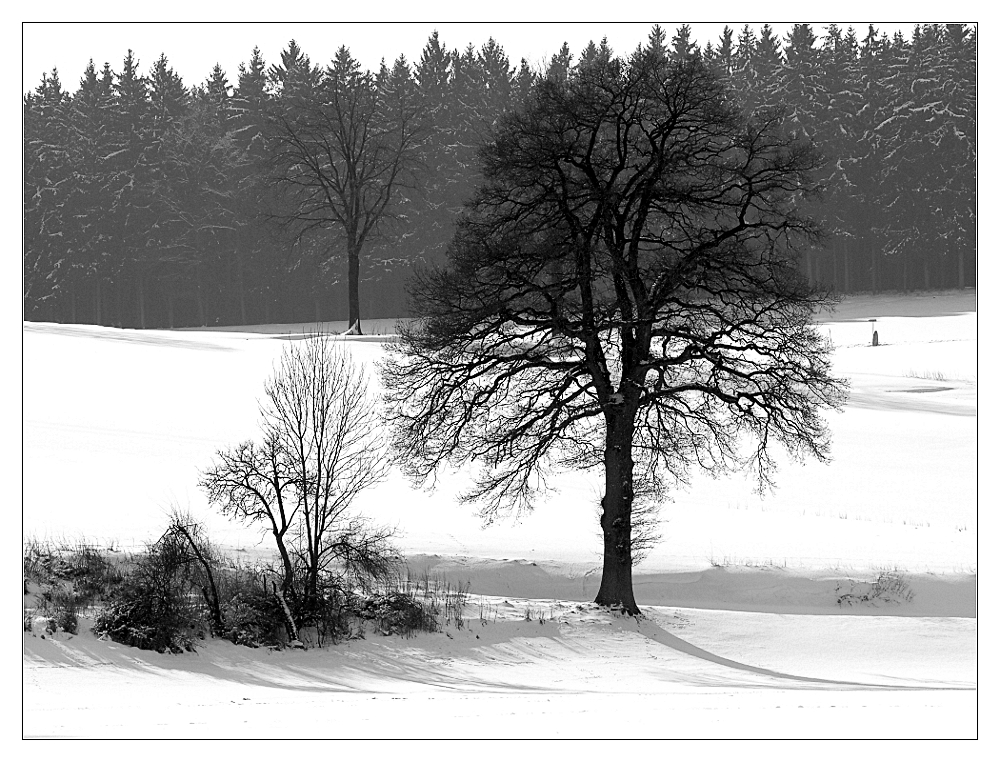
{"x": 193, "y": 49}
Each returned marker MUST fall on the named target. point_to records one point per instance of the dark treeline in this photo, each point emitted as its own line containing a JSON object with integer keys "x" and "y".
{"x": 148, "y": 203}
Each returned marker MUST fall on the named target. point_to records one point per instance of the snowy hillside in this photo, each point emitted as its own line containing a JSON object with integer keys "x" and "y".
{"x": 117, "y": 424}
{"x": 131, "y": 417}
{"x": 679, "y": 673}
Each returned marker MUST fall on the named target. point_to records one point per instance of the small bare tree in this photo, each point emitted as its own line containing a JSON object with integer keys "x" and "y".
{"x": 322, "y": 445}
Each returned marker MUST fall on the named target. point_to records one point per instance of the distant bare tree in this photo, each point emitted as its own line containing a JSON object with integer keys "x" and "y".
{"x": 322, "y": 446}
{"x": 343, "y": 151}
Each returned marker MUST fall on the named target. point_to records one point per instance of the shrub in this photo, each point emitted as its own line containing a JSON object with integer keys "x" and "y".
{"x": 155, "y": 608}
{"x": 151, "y": 617}
{"x": 334, "y": 611}
{"x": 83, "y": 570}
{"x": 37, "y": 561}
{"x": 66, "y": 620}
{"x": 254, "y": 618}
{"x": 398, "y": 613}
{"x": 92, "y": 574}
{"x": 889, "y": 587}
{"x": 64, "y": 603}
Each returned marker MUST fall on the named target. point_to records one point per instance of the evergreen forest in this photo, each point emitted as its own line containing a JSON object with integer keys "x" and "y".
{"x": 152, "y": 203}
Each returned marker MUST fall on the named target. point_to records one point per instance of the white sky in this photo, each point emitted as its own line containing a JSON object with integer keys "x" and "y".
{"x": 194, "y": 48}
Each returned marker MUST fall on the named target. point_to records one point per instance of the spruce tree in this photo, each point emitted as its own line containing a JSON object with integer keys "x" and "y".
{"x": 90, "y": 119}
{"x": 49, "y": 174}
{"x": 682, "y": 46}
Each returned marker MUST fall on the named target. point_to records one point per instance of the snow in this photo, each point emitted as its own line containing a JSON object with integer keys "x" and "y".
{"x": 744, "y": 637}
{"x": 565, "y": 673}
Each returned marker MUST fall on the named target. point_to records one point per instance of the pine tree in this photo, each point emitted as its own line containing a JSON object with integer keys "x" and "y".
{"x": 799, "y": 81}
{"x": 952, "y": 149}
{"x": 250, "y": 104}
{"x": 467, "y": 85}
{"x": 767, "y": 54}
{"x": 90, "y": 120}
{"x": 49, "y": 174}
{"x": 498, "y": 84}
{"x": 259, "y": 271}
{"x": 721, "y": 59}
{"x": 127, "y": 219}
{"x": 911, "y": 175}
{"x": 655, "y": 49}
{"x": 681, "y": 45}
{"x": 596, "y": 55}
{"x": 836, "y": 137}
{"x": 441, "y": 179}
{"x": 397, "y": 245}
{"x": 524, "y": 81}
{"x": 295, "y": 76}
{"x": 169, "y": 198}
{"x": 744, "y": 73}
{"x": 560, "y": 64}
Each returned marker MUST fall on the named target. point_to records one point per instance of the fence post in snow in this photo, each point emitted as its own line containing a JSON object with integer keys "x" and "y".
{"x": 874, "y": 332}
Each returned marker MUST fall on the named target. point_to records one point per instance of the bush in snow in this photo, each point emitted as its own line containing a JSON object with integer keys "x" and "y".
{"x": 81, "y": 569}
{"x": 64, "y": 605}
{"x": 889, "y": 587}
{"x": 61, "y": 581}
{"x": 154, "y": 607}
{"x": 252, "y": 614}
{"x": 398, "y": 613}
{"x": 254, "y": 618}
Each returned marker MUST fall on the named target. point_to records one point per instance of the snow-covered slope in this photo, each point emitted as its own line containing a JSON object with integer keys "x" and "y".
{"x": 117, "y": 424}
{"x": 570, "y": 671}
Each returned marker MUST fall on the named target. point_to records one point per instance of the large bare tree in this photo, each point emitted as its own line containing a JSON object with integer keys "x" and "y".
{"x": 622, "y": 294}
{"x": 342, "y": 151}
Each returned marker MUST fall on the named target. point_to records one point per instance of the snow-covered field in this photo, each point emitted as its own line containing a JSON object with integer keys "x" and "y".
{"x": 743, "y": 635}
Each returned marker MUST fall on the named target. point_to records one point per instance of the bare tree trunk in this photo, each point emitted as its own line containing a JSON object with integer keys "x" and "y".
{"x": 97, "y": 301}
{"x": 961, "y": 269}
{"x": 845, "y": 251}
{"x": 201, "y": 300}
{"x": 140, "y": 300}
{"x": 616, "y": 515}
{"x": 120, "y": 322}
{"x": 293, "y": 631}
{"x": 353, "y": 300}
{"x": 242, "y": 294}
{"x": 874, "y": 266}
